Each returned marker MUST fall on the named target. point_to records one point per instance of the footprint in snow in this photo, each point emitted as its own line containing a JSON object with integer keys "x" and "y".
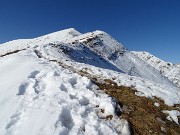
{"x": 14, "y": 122}
{"x": 33, "y": 74}
{"x": 63, "y": 88}
{"x": 22, "y": 88}
{"x": 73, "y": 81}
{"x": 32, "y": 85}
{"x": 56, "y": 74}
{"x": 14, "y": 119}
{"x": 84, "y": 101}
{"x": 65, "y": 119}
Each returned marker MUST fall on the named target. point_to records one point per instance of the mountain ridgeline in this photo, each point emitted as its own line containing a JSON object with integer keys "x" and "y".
{"x": 100, "y": 49}
{"x": 85, "y": 84}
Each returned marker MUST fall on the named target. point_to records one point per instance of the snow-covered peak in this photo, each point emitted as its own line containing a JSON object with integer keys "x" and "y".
{"x": 152, "y": 59}
{"x": 58, "y": 36}
{"x": 99, "y": 32}
{"x": 171, "y": 71}
{"x": 54, "y": 37}
{"x": 100, "y": 49}
{"x": 100, "y": 42}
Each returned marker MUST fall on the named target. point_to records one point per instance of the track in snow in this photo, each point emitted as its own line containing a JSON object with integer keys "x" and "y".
{"x": 67, "y": 104}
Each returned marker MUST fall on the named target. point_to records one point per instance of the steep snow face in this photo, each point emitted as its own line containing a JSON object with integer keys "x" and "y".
{"x": 171, "y": 71}
{"x": 21, "y": 44}
{"x": 111, "y": 51}
{"x": 40, "y": 97}
{"x": 99, "y": 42}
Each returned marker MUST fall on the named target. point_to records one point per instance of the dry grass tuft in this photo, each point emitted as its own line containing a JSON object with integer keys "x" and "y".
{"x": 144, "y": 117}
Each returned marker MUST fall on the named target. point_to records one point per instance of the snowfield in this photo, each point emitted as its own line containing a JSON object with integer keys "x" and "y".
{"x": 42, "y": 90}
{"x": 38, "y": 97}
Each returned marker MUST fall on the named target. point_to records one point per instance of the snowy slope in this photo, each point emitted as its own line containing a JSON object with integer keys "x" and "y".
{"x": 171, "y": 71}
{"x": 111, "y": 51}
{"x": 21, "y": 44}
{"x": 39, "y": 97}
{"x": 43, "y": 90}
{"x": 81, "y": 61}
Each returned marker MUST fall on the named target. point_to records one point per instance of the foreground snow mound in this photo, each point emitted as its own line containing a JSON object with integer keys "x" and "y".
{"x": 171, "y": 71}
{"x": 47, "y": 99}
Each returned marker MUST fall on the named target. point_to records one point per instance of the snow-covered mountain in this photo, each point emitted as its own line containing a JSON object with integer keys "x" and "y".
{"x": 21, "y": 44}
{"x": 110, "y": 50}
{"x": 48, "y": 84}
{"x": 171, "y": 71}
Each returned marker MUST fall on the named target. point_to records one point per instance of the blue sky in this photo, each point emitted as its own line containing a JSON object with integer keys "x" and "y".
{"x": 141, "y": 25}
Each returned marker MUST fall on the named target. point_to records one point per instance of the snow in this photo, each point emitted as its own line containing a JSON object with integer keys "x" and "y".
{"x": 156, "y": 104}
{"x": 43, "y": 91}
{"x": 39, "y": 97}
{"x": 21, "y": 44}
{"x": 169, "y": 70}
{"x": 144, "y": 87}
{"x": 173, "y": 115}
{"x": 114, "y": 53}
{"x": 150, "y": 86}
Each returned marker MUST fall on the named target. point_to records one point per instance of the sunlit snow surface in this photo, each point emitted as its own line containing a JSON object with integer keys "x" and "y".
{"x": 37, "y": 97}
{"x": 171, "y": 71}
{"x": 42, "y": 97}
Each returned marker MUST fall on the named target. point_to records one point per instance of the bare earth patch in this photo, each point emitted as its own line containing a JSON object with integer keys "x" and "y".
{"x": 144, "y": 117}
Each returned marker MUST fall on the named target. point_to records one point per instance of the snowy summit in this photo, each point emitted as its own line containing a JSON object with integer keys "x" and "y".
{"x": 55, "y": 85}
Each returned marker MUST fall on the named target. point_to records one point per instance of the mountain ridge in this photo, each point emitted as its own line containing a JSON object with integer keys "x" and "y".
{"x": 169, "y": 70}
{"x": 68, "y": 79}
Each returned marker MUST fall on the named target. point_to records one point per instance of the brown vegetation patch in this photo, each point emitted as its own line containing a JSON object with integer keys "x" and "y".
{"x": 12, "y": 52}
{"x": 144, "y": 117}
